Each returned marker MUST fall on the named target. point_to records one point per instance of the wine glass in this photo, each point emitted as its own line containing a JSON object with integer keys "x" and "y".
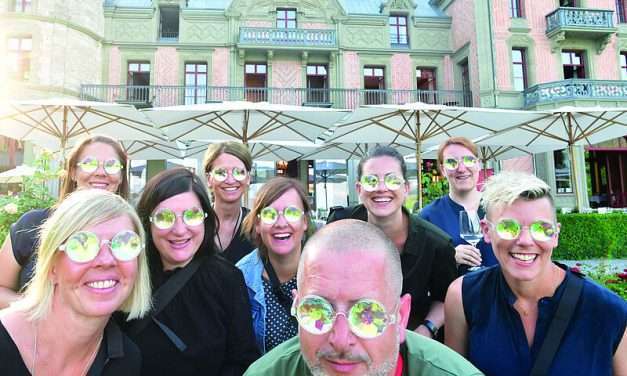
{"x": 470, "y": 230}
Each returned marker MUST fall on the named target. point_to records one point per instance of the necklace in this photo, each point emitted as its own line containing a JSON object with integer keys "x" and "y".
{"x": 233, "y": 232}
{"x": 90, "y": 359}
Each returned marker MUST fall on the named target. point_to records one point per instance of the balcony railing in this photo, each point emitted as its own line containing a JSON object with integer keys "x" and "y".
{"x": 169, "y": 36}
{"x": 160, "y": 96}
{"x": 287, "y": 37}
{"x": 575, "y": 89}
{"x": 574, "y": 18}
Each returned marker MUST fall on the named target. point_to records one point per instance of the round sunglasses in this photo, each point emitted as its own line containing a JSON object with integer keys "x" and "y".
{"x": 367, "y": 318}
{"x": 84, "y": 246}
{"x": 91, "y": 164}
{"x": 370, "y": 183}
{"x": 270, "y": 215}
{"x": 165, "y": 218}
{"x": 221, "y": 173}
{"x": 510, "y": 229}
{"x": 452, "y": 163}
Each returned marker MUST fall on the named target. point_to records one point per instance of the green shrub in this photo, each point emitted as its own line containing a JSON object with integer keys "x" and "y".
{"x": 34, "y": 195}
{"x": 592, "y": 236}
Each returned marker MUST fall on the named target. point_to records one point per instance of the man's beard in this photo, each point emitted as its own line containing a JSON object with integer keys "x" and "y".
{"x": 384, "y": 369}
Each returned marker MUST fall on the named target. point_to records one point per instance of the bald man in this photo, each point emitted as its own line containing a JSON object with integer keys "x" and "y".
{"x": 352, "y": 319}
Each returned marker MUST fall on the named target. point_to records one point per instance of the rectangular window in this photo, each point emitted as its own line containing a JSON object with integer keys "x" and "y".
{"x": 620, "y": 11}
{"x": 519, "y": 69}
{"x": 562, "y": 171}
{"x": 623, "y": 65}
{"x": 22, "y": 6}
{"x": 398, "y": 30}
{"x": 425, "y": 84}
{"x": 138, "y": 79}
{"x": 573, "y": 64}
{"x": 255, "y": 82}
{"x": 169, "y": 23}
{"x": 317, "y": 84}
{"x": 465, "y": 75}
{"x": 374, "y": 85}
{"x": 286, "y": 18}
{"x": 19, "y": 50}
{"x": 516, "y": 9}
{"x": 195, "y": 83}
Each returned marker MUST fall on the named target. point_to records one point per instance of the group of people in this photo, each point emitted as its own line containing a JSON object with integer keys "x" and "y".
{"x": 191, "y": 282}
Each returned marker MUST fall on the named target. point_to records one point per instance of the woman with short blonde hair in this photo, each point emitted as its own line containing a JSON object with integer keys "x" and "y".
{"x": 90, "y": 264}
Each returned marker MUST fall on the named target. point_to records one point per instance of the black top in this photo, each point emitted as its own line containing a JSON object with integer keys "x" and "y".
{"x": 211, "y": 315}
{"x": 25, "y": 240}
{"x": 240, "y": 246}
{"x": 427, "y": 261}
{"x": 280, "y": 324}
{"x": 117, "y": 355}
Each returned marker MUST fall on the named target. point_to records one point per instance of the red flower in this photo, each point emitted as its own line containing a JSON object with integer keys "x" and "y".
{"x": 622, "y": 275}
{"x": 575, "y": 269}
{"x": 610, "y": 281}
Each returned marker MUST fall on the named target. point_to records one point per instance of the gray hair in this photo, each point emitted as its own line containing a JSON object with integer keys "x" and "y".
{"x": 341, "y": 237}
{"x": 508, "y": 186}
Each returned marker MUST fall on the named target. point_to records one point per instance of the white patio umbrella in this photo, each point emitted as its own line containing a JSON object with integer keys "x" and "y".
{"x": 56, "y": 123}
{"x": 566, "y": 127}
{"x": 244, "y": 121}
{"x": 350, "y": 151}
{"x": 153, "y": 150}
{"x": 263, "y": 151}
{"x": 420, "y": 125}
{"x": 16, "y": 174}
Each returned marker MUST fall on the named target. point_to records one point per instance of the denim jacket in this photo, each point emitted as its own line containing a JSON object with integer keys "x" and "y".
{"x": 252, "y": 268}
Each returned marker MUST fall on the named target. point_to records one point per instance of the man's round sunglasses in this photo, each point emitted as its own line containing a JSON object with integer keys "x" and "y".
{"x": 510, "y": 229}
{"x": 84, "y": 246}
{"x": 468, "y": 161}
{"x": 165, "y": 218}
{"x": 91, "y": 164}
{"x": 367, "y": 318}
{"x": 270, "y": 215}
{"x": 221, "y": 173}
{"x": 370, "y": 183}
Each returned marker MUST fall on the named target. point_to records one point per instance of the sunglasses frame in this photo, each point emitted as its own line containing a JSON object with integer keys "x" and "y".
{"x": 102, "y": 163}
{"x": 280, "y": 213}
{"x": 101, "y": 242}
{"x": 390, "y": 318}
{"x": 229, "y": 171}
{"x": 181, "y": 215}
{"x": 389, "y": 174}
{"x": 460, "y": 161}
{"x": 554, "y": 226}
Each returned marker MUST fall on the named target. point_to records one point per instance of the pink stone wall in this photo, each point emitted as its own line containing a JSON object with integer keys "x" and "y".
{"x": 258, "y": 23}
{"x": 522, "y": 164}
{"x": 401, "y": 65}
{"x": 606, "y": 64}
{"x": 352, "y": 73}
{"x": 220, "y": 67}
{"x": 286, "y": 74}
{"x": 448, "y": 73}
{"x": 463, "y": 30}
{"x": 114, "y": 66}
{"x": 166, "y": 66}
{"x": 314, "y": 25}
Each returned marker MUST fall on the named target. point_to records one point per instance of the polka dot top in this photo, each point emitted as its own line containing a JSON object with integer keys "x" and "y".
{"x": 279, "y": 325}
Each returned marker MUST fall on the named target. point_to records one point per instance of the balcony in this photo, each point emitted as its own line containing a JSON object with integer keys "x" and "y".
{"x": 263, "y": 36}
{"x": 566, "y": 22}
{"x": 576, "y": 90}
{"x": 161, "y": 96}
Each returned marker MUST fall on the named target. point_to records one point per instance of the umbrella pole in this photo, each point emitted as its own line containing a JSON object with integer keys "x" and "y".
{"x": 418, "y": 161}
{"x": 571, "y": 153}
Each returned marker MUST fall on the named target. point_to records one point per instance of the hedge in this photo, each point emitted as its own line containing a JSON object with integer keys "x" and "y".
{"x": 592, "y": 236}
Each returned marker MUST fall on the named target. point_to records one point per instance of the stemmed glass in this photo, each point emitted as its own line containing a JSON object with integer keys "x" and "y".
{"x": 470, "y": 230}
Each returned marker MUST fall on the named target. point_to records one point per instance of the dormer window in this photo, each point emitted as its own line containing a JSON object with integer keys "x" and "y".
{"x": 398, "y": 30}
{"x": 286, "y": 18}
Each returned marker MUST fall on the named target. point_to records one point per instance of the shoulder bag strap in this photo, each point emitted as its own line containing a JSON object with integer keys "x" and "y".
{"x": 558, "y": 326}
{"x": 164, "y": 295}
{"x": 284, "y": 300}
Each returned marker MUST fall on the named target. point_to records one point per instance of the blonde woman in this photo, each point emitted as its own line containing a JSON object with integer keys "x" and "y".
{"x": 96, "y": 162}
{"x": 90, "y": 264}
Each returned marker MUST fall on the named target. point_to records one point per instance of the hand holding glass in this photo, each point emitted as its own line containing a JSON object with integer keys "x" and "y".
{"x": 470, "y": 230}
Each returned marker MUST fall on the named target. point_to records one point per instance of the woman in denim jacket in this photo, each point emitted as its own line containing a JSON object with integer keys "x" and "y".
{"x": 277, "y": 225}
